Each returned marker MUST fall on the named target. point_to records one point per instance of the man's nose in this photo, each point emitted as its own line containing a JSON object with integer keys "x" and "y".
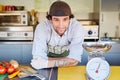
{"x": 61, "y": 23}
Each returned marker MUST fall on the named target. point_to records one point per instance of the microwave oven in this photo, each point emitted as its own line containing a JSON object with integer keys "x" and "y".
{"x": 13, "y": 18}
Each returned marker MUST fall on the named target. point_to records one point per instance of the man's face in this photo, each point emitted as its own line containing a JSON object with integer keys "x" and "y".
{"x": 60, "y": 23}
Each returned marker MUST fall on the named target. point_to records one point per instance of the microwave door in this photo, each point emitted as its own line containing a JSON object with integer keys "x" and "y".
{"x": 13, "y": 18}
{"x": 10, "y": 20}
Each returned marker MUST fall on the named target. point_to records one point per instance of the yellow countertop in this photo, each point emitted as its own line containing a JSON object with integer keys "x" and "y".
{"x": 79, "y": 73}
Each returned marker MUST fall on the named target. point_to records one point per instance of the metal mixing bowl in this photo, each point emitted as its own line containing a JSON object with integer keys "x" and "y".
{"x": 97, "y": 47}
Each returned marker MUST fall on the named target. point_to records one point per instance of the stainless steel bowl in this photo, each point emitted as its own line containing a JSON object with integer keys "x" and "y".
{"x": 97, "y": 47}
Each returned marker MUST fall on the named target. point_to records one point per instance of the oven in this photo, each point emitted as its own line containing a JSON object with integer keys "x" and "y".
{"x": 91, "y": 32}
{"x": 16, "y": 33}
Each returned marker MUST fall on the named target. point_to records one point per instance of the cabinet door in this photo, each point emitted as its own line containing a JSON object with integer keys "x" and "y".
{"x": 110, "y": 5}
{"x": 108, "y": 23}
{"x": 27, "y": 53}
{"x": 84, "y": 58}
{"x": 113, "y": 56}
{"x": 10, "y": 51}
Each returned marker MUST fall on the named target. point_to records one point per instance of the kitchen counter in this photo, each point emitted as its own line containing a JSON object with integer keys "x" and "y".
{"x": 71, "y": 73}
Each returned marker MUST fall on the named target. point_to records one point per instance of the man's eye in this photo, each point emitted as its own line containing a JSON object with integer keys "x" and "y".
{"x": 55, "y": 19}
{"x": 65, "y": 19}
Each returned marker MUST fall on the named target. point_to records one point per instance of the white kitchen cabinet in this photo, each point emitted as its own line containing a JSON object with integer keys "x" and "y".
{"x": 109, "y": 16}
{"x": 108, "y": 23}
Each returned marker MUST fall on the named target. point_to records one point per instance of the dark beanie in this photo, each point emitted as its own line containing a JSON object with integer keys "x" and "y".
{"x": 60, "y": 8}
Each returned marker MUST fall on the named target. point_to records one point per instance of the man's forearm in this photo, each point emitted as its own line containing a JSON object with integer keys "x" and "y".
{"x": 39, "y": 62}
{"x": 57, "y": 62}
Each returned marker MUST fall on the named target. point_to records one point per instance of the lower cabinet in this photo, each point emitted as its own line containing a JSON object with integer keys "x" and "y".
{"x": 20, "y": 52}
{"x": 10, "y": 51}
{"x": 113, "y": 56}
{"x": 23, "y": 53}
{"x": 27, "y": 53}
{"x": 84, "y": 58}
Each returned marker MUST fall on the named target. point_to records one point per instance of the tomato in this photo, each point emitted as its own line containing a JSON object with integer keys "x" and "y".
{"x": 10, "y": 69}
{"x": 6, "y": 64}
{"x": 2, "y": 70}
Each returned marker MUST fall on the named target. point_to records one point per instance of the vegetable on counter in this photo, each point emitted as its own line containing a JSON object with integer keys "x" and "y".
{"x": 14, "y": 74}
{"x": 2, "y": 70}
{"x": 11, "y": 68}
{"x": 14, "y": 63}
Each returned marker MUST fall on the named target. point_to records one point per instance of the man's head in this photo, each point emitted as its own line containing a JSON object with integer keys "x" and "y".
{"x": 59, "y": 15}
{"x": 59, "y": 8}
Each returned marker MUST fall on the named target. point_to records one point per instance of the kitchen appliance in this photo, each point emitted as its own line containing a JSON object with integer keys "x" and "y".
{"x": 14, "y": 33}
{"x": 91, "y": 32}
{"x": 97, "y": 67}
{"x": 14, "y": 18}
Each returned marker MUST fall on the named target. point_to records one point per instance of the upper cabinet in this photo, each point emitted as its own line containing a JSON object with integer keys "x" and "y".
{"x": 110, "y": 5}
{"x": 109, "y": 23}
{"x": 106, "y": 5}
{"x": 109, "y": 17}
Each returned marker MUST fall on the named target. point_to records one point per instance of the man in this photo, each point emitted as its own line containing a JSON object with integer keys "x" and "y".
{"x": 58, "y": 40}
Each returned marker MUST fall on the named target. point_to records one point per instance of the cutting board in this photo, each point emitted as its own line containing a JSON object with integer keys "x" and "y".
{"x": 115, "y": 73}
{"x": 22, "y": 74}
{"x": 78, "y": 73}
{"x": 71, "y": 73}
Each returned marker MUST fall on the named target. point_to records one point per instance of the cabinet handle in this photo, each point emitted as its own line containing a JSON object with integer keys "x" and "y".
{"x": 102, "y": 18}
{"x": 119, "y": 16}
{"x": 118, "y": 6}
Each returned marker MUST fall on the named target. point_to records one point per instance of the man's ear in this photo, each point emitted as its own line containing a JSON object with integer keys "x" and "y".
{"x": 71, "y": 16}
{"x": 49, "y": 17}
